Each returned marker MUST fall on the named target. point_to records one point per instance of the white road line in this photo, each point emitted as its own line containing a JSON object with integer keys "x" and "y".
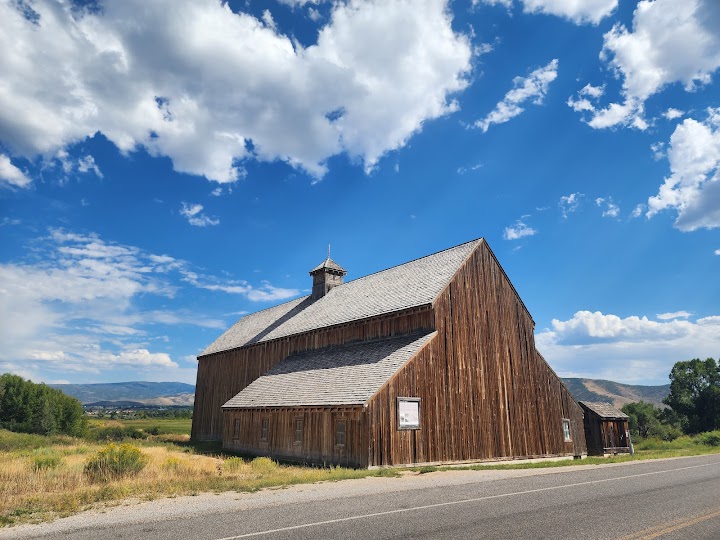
{"x": 452, "y": 503}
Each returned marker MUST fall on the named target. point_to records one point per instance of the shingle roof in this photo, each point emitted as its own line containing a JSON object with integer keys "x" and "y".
{"x": 415, "y": 283}
{"x": 344, "y": 375}
{"x": 328, "y": 263}
{"x": 603, "y": 410}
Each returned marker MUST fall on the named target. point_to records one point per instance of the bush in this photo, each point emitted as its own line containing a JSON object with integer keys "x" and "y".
{"x": 233, "y": 464}
{"x": 263, "y": 465}
{"x": 114, "y": 462}
{"x": 711, "y": 438}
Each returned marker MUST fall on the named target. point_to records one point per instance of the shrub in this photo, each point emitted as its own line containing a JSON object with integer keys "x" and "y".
{"x": 114, "y": 462}
{"x": 711, "y": 438}
{"x": 263, "y": 465}
{"x": 233, "y": 464}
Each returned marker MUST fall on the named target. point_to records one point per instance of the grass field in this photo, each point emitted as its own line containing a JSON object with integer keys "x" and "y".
{"x": 178, "y": 426}
{"x": 42, "y": 478}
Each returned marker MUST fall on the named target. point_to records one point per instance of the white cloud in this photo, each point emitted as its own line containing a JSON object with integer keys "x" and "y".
{"x": 610, "y": 209}
{"x": 570, "y": 203}
{"x": 693, "y": 188}
{"x": 471, "y": 168}
{"x": 658, "y": 150}
{"x": 195, "y": 217}
{"x": 76, "y": 306}
{"x": 672, "y": 114}
{"x": 639, "y": 210}
{"x": 87, "y": 164}
{"x": 532, "y": 88}
{"x": 11, "y": 174}
{"x": 578, "y": 11}
{"x": 631, "y": 349}
{"x": 504, "y": 3}
{"x": 670, "y": 42}
{"x": 377, "y": 72}
{"x": 673, "y": 315}
{"x": 518, "y": 230}
{"x": 717, "y": 252}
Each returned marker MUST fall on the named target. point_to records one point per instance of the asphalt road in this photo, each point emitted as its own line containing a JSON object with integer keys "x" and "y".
{"x": 667, "y": 499}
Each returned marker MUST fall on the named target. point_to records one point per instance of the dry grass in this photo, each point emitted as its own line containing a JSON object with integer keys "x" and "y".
{"x": 32, "y": 494}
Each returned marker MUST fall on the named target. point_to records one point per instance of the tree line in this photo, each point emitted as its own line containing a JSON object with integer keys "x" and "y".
{"x": 694, "y": 403}
{"x": 36, "y": 408}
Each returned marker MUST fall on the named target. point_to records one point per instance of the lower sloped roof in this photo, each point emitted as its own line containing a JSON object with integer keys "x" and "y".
{"x": 603, "y": 410}
{"x": 344, "y": 375}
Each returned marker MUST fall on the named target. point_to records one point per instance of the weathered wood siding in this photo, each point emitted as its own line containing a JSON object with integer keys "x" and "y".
{"x": 319, "y": 434}
{"x": 222, "y": 375}
{"x": 485, "y": 391}
{"x": 606, "y": 436}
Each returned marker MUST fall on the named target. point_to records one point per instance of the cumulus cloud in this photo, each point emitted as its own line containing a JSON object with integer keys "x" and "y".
{"x": 579, "y": 12}
{"x": 670, "y": 42}
{"x": 75, "y": 306}
{"x": 585, "y": 11}
{"x": 518, "y": 230}
{"x": 209, "y": 88}
{"x": 609, "y": 208}
{"x": 630, "y": 349}
{"x": 532, "y": 89}
{"x": 195, "y": 216}
{"x": 569, "y": 203}
{"x": 717, "y": 252}
{"x": 693, "y": 187}
{"x": 672, "y": 114}
{"x": 10, "y": 174}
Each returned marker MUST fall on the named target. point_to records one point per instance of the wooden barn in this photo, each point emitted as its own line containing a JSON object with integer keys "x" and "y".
{"x": 432, "y": 361}
{"x": 606, "y": 429}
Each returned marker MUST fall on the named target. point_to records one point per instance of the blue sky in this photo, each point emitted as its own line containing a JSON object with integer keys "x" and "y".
{"x": 167, "y": 167}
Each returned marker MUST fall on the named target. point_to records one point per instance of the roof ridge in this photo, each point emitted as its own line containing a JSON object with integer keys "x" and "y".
{"x": 410, "y": 261}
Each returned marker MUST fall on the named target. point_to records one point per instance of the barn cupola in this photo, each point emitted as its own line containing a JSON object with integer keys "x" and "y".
{"x": 326, "y": 275}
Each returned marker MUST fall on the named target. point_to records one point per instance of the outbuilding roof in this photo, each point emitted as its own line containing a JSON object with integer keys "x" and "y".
{"x": 339, "y": 375}
{"x": 603, "y": 410}
{"x": 413, "y": 284}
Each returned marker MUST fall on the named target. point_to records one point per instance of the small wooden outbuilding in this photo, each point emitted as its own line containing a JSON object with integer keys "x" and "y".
{"x": 606, "y": 429}
{"x": 431, "y": 361}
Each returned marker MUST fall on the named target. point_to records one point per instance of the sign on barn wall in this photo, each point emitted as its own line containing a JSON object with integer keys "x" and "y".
{"x": 408, "y": 413}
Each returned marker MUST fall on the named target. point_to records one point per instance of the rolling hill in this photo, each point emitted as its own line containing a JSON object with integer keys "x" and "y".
{"x": 149, "y": 393}
{"x": 616, "y": 393}
{"x": 181, "y": 394}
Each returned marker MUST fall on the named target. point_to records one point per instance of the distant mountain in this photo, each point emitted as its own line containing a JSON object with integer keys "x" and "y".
{"x": 615, "y": 393}
{"x": 149, "y": 393}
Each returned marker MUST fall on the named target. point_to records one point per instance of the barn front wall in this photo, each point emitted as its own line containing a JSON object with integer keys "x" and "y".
{"x": 224, "y": 374}
{"x": 317, "y": 435}
{"x": 485, "y": 392}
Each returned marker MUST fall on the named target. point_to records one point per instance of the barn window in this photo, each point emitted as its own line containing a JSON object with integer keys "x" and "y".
{"x": 236, "y": 429}
{"x": 264, "y": 428}
{"x": 408, "y": 413}
{"x": 340, "y": 433}
{"x": 566, "y": 430}
{"x": 298, "y": 431}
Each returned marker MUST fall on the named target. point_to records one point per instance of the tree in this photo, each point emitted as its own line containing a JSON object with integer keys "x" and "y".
{"x": 643, "y": 417}
{"x": 37, "y": 408}
{"x": 695, "y": 394}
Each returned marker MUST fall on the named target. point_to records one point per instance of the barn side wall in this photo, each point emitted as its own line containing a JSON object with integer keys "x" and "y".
{"x": 243, "y": 433}
{"x": 486, "y": 393}
{"x": 222, "y": 375}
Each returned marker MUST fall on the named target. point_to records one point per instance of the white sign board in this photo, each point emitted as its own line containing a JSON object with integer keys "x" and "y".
{"x": 408, "y": 413}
